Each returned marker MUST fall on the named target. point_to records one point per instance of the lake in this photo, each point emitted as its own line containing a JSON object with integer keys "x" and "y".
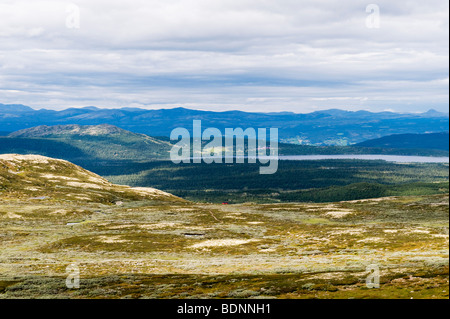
{"x": 388, "y": 158}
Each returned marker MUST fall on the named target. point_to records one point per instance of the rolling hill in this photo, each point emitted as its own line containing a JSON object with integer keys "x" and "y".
{"x": 85, "y": 142}
{"x": 40, "y": 177}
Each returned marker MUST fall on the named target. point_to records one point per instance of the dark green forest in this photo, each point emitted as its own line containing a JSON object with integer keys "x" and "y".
{"x": 304, "y": 181}
{"x": 439, "y": 141}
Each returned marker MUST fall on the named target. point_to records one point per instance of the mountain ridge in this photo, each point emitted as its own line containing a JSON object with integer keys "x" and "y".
{"x": 332, "y": 111}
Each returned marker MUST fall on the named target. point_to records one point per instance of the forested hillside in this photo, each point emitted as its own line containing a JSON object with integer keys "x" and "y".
{"x": 437, "y": 141}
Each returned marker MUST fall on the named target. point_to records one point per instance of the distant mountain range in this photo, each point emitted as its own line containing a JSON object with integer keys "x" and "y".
{"x": 329, "y": 127}
{"x": 437, "y": 141}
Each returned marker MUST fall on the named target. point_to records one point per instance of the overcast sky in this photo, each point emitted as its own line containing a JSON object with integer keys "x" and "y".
{"x": 252, "y": 55}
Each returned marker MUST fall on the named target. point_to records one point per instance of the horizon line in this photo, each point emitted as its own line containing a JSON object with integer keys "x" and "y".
{"x": 93, "y": 108}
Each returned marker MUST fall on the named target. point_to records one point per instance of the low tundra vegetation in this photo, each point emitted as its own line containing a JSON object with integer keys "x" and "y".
{"x": 130, "y": 243}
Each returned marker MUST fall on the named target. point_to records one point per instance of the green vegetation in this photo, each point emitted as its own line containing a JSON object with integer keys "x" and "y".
{"x": 92, "y": 143}
{"x": 431, "y": 284}
{"x": 303, "y": 181}
{"x": 317, "y": 195}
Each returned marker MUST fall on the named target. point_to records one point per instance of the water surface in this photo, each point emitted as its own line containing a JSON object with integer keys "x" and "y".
{"x": 388, "y": 158}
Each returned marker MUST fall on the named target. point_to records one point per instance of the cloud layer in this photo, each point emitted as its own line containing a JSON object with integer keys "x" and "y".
{"x": 253, "y": 55}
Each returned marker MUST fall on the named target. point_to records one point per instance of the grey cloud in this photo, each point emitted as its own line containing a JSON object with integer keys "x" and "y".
{"x": 248, "y": 54}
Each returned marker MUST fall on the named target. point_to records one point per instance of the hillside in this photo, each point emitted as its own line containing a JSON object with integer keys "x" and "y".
{"x": 85, "y": 142}
{"x": 39, "y": 177}
{"x": 73, "y": 131}
{"x": 329, "y": 127}
{"x": 436, "y": 141}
